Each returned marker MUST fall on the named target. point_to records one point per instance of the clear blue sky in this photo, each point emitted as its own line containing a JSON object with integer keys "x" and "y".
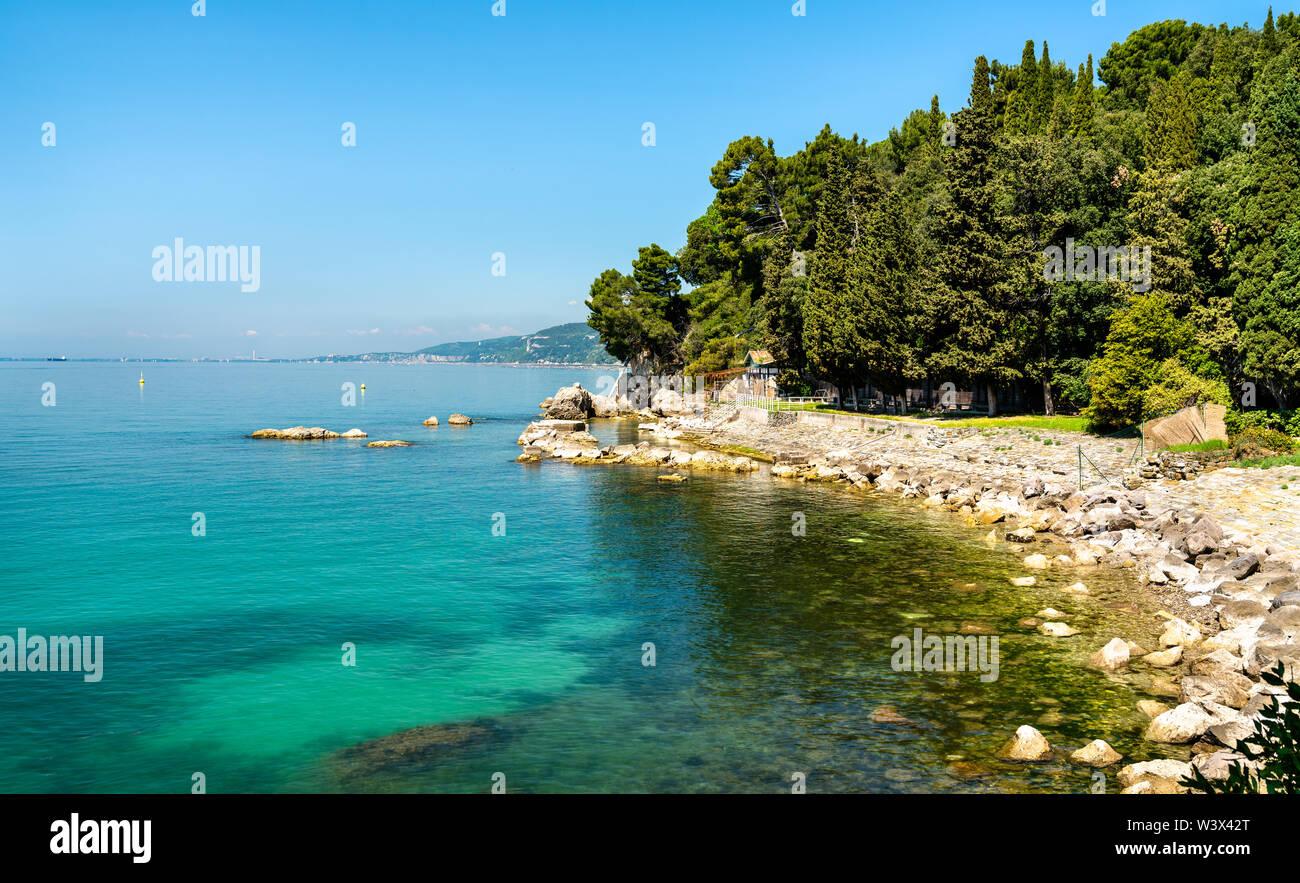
{"x": 475, "y": 134}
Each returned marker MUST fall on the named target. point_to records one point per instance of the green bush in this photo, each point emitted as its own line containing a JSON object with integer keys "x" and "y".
{"x": 1150, "y": 364}
{"x": 1268, "y": 439}
{"x": 1263, "y": 418}
{"x": 1179, "y": 388}
{"x": 1273, "y": 749}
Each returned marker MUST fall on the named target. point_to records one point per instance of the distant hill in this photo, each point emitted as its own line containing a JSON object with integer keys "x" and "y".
{"x": 575, "y": 343}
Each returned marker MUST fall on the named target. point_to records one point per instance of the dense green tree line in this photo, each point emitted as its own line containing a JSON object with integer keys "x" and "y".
{"x": 924, "y": 254}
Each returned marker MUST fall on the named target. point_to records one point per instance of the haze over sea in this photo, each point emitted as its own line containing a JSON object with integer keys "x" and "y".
{"x": 222, "y": 653}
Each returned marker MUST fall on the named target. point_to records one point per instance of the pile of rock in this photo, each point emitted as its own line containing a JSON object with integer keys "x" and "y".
{"x": 305, "y": 433}
{"x": 569, "y": 440}
{"x": 1176, "y": 467}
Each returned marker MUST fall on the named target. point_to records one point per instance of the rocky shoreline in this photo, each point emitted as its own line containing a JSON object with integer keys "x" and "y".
{"x": 1231, "y": 596}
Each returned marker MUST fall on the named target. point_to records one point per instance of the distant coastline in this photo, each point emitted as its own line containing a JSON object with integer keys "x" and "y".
{"x": 347, "y": 360}
{"x": 572, "y": 345}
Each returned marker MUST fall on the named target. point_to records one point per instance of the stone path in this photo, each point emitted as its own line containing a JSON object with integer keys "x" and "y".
{"x": 1252, "y": 501}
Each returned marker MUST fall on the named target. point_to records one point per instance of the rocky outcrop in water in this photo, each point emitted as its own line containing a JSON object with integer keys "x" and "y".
{"x": 304, "y": 433}
{"x": 570, "y": 403}
{"x": 569, "y": 440}
{"x": 459, "y": 420}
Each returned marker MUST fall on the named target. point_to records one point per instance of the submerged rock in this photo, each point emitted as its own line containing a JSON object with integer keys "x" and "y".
{"x": 408, "y": 749}
{"x": 888, "y": 714}
{"x": 389, "y": 443}
{"x": 1152, "y": 708}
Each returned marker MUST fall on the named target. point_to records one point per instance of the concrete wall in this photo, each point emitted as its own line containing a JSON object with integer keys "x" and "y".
{"x": 853, "y": 421}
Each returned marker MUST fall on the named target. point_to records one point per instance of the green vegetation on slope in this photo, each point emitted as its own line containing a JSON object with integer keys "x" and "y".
{"x": 926, "y": 254}
{"x": 570, "y": 344}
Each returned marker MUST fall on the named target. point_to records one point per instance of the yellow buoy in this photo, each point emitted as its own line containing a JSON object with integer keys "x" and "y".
{"x": 363, "y": 387}
{"x": 142, "y": 378}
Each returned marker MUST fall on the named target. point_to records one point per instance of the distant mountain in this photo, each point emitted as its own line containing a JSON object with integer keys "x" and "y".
{"x": 572, "y": 344}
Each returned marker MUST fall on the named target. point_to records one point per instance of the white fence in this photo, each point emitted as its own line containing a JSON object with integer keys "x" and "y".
{"x": 785, "y": 403}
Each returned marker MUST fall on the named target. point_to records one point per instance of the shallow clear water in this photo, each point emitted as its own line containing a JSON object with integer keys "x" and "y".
{"x": 222, "y": 653}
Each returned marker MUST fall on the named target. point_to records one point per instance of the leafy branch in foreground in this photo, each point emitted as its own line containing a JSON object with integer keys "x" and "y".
{"x": 1272, "y": 751}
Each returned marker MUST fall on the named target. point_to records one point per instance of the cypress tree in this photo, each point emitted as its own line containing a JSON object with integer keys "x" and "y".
{"x": 1170, "y": 142}
{"x": 975, "y": 330}
{"x": 1045, "y": 98}
{"x": 936, "y": 124}
{"x": 1268, "y": 38}
{"x": 1081, "y": 116}
{"x": 1020, "y": 106}
{"x": 826, "y": 317}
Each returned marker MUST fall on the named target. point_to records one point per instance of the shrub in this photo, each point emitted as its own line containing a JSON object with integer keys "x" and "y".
{"x": 1150, "y": 357}
{"x": 1179, "y": 388}
{"x": 1259, "y": 438}
{"x": 1283, "y": 421}
{"x": 1273, "y": 749}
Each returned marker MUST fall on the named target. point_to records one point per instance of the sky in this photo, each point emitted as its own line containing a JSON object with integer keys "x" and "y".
{"x": 498, "y": 166}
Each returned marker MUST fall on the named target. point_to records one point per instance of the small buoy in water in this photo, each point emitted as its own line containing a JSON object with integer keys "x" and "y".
{"x": 142, "y": 378}
{"x": 363, "y": 387}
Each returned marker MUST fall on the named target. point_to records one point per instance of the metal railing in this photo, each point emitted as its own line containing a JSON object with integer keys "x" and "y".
{"x": 785, "y": 403}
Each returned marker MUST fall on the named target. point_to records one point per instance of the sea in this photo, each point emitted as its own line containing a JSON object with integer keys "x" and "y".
{"x": 321, "y": 616}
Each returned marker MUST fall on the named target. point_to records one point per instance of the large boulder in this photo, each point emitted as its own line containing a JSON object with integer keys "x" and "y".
{"x": 1026, "y": 746}
{"x": 1113, "y": 656}
{"x": 1180, "y": 725}
{"x": 570, "y": 403}
{"x": 1096, "y": 754}
{"x": 1203, "y": 536}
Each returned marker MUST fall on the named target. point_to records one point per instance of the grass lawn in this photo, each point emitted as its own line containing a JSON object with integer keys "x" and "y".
{"x": 1215, "y": 444}
{"x": 1018, "y": 421}
{"x": 1270, "y": 462}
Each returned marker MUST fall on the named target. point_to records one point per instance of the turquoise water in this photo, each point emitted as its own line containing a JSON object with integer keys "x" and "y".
{"x": 222, "y": 653}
